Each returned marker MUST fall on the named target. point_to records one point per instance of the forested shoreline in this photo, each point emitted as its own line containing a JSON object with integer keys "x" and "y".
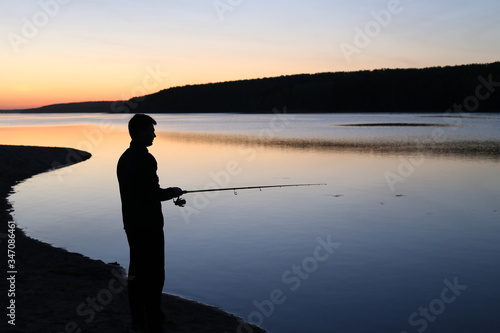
{"x": 435, "y": 89}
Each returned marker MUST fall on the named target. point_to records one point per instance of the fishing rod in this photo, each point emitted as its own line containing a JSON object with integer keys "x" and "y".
{"x": 181, "y": 202}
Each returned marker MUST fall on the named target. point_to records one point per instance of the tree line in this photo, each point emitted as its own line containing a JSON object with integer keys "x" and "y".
{"x": 435, "y": 89}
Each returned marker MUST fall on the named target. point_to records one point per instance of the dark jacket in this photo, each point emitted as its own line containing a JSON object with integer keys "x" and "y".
{"x": 140, "y": 190}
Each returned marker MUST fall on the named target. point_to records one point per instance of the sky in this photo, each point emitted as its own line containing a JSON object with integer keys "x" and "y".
{"x": 60, "y": 51}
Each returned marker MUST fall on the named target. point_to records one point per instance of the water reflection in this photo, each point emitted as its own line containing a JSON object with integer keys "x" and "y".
{"x": 396, "y": 247}
{"x": 435, "y": 145}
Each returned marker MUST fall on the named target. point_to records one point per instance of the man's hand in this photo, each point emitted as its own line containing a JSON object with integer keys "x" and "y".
{"x": 170, "y": 193}
{"x": 176, "y": 191}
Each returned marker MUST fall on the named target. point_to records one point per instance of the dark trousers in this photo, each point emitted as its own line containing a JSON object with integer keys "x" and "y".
{"x": 146, "y": 278}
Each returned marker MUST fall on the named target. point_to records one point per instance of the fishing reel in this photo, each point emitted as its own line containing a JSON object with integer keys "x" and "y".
{"x": 179, "y": 201}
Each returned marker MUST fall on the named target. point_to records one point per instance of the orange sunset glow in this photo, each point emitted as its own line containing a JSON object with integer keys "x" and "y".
{"x": 73, "y": 52}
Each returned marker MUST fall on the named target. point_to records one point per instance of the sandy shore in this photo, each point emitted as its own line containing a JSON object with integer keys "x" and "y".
{"x": 54, "y": 290}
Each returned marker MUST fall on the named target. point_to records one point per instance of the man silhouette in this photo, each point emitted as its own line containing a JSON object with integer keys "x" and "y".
{"x": 141, "y": 198}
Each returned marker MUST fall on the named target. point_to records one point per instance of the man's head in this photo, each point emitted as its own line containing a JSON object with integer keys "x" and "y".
{"x": 141, "y": 129}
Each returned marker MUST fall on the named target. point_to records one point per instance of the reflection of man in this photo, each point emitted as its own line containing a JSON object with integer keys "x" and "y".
{"x": 141, "y": 198}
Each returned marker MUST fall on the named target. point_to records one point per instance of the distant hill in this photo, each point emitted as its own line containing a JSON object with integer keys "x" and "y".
{"x": 435, "y": 89}
{"x": 83, "y": 107}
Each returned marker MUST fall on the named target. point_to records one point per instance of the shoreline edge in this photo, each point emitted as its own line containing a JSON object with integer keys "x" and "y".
{"x": 46, "y": 288}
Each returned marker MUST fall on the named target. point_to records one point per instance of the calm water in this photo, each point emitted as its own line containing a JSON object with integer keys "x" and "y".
{"x": 398, "y": 241}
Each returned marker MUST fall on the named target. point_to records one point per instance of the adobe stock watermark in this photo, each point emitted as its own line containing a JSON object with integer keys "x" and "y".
{"x": 292, "y": 280}
{"x": 223, "y": 6}
{"x": 95, "y": 136}
{"x": 89, "y": 308}
{"x": 408, "y": 165}
{"x": 31, "y": 26}
{"x": 233, "y": 168}
{"x": 420, "y": 319}
{"x": 151, "y": 83}
{"x": 371, "y": 30}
